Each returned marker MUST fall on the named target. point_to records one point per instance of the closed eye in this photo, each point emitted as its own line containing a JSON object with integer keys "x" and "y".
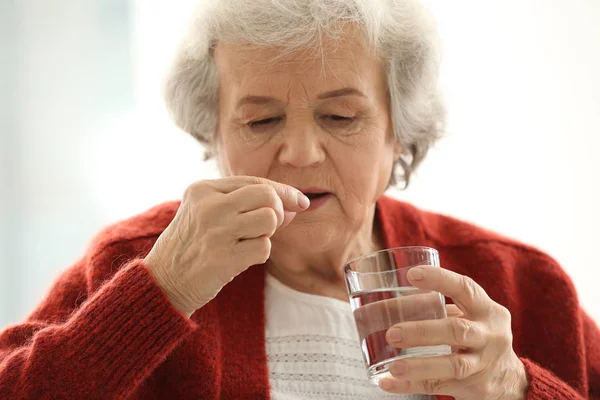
{"x": 264, "y": 122}
{"x": 340, "y": 124}
{"x": 335, "y": 120}
{"x": 339, "y": 118}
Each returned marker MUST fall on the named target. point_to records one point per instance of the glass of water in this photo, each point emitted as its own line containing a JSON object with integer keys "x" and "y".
{"x": 381, "y": 297}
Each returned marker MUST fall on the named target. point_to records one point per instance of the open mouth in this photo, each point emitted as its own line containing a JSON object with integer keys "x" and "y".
{"x": 314, "y": 196}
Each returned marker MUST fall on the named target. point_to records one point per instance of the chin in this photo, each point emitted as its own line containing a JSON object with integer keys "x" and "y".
{"x": 309, "y": 236}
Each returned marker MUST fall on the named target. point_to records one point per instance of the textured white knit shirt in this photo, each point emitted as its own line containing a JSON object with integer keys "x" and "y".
{"x": 313, "y": 349}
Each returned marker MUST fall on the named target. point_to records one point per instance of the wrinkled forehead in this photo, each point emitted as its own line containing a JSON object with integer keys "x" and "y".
{"x": 332, "y": 65}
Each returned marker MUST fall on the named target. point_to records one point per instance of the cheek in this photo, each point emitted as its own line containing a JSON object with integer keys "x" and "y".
{"x": 365, "y": 170}
{"x": 238, "y": 157}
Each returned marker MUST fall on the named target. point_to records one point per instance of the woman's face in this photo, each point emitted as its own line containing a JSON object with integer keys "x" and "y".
{"x": 320, "y": 124}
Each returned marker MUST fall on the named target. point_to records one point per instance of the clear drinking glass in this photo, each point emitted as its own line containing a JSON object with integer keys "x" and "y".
{"x": 381, "y": 296}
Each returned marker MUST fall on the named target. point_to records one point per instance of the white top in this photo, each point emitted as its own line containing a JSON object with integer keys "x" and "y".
{"x": 313, "y": 348}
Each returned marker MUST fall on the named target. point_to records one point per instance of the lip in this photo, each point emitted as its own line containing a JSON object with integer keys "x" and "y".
{"x": 312, "y": 190}
{"x": 318, "y": 202}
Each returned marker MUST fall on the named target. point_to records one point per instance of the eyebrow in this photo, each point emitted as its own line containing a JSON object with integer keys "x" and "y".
{"x": 341, "y": 92}
{"x": 256, "y": 100}
{"x": 327, "y": 95}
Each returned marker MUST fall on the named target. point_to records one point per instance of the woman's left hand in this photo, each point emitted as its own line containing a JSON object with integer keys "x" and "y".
{"x": 482, "y": 366}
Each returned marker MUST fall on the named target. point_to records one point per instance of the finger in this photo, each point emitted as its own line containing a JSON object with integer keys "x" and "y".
{"x": 454, "y": 366}
{"x": 253, "y": 197}
{"x": 293, "y": 199}
{"x": 433, "y": 387}
{"x": 466, "y": 293}
{"x": 452, "y": 310}
{"x": 256, "y": 223}
{"x": 251, "y": 252}
{"x": 458, "y": 332}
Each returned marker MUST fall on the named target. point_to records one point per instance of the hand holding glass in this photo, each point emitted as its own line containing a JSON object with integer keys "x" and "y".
{"x": 381, "y": 296}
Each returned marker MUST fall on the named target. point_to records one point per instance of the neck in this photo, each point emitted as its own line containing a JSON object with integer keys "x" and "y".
{"x": 321, "y": 273}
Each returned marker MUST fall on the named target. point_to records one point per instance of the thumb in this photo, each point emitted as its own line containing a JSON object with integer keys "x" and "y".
{"x": 288, "y": 216}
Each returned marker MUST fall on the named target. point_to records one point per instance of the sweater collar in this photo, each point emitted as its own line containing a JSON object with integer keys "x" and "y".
{"x": 400, "y": 223}
{"x": 242, "y": 314}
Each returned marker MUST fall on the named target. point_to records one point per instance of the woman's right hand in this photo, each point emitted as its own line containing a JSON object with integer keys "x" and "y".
{"x": 222, "y": 227}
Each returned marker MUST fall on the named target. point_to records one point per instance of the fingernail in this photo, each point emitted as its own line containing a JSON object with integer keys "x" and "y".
{"x": 398, "y": 368}
{"x": 395, "y": 335}
{"x": 416, "y": 274}
{"x": 386, "y": 384}
{"x": 303, "y": 201}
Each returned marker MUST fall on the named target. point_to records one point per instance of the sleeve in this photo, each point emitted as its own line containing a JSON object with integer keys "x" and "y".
{"x": 544, "y": 385}
{"x": 558, "y": 343}
{"x": 77, "y": 345}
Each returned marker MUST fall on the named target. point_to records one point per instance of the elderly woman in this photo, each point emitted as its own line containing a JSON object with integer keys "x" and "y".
{"x": 312, "y": 109}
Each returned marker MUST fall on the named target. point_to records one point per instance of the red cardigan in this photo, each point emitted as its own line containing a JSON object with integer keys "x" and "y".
{"x": 106, "y": 331}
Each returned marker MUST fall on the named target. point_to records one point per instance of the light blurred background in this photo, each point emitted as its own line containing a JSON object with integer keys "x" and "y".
{"x": 85, "y": 139}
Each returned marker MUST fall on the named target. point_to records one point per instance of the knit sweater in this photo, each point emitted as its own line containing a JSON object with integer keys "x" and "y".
{"x": 107, "y": 331}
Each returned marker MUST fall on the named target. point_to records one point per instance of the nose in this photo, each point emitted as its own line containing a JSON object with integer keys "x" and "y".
{"x": 301, "y": 148}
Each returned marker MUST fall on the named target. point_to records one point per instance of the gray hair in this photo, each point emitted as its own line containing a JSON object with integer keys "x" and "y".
{"x": 401, "y": 32}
